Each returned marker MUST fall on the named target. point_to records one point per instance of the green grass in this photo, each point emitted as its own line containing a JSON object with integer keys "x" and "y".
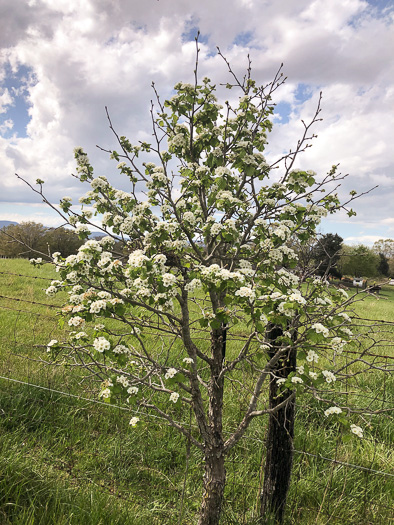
{"x": 71, "y": 461}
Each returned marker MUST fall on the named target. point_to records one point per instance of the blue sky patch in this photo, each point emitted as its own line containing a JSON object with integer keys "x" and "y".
{"x": 17, "y": 85}
{"x": 303, "y": 93}
{"x": 190, "y": 32}
{"x": 283, "y": 110}
{"x": 243, "y": 39}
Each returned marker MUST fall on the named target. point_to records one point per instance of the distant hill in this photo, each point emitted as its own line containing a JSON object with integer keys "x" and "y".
{"x": 3, "y": 224}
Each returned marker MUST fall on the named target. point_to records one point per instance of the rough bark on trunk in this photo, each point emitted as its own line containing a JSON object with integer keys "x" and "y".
{"x": 279, "y": 458}
{"x": 214, "y": 482}
{"x": 215, "y": 473}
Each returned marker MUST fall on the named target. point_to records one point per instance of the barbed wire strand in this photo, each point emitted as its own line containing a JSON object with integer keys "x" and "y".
{"x": 68, "y": 394}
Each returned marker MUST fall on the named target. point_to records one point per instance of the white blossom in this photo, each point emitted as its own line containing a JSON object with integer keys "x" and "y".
{"x": 101, "y": 344}
{"x": 358, "y": 431}
{"x": 329, "y": 376}
{"x": 296, "y": 379}
{"x": 320, "y": 329}
{"x": 97, "y": 306}
{"x": 170, "y": 373}
{"x": 245, "y": 291}
{"x": 332, "y": 410}
{"x": 106, "y": 393}
{"x": 76, "y": 321}
{"x": 168, "y": 279}
{"x": 123, "y": 381}
{"x": 174, "y": 397}
{"x": 312, "y": 356}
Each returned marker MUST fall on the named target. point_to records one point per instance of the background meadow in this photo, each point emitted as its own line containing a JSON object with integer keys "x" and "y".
{"x": 67, "y": 458}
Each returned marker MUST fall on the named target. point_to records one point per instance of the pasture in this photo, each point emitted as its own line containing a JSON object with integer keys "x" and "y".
{"x": 67, "y": 458}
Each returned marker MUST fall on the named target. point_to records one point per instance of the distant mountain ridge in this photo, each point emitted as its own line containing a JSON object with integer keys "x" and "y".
{"x": 4, "y": 224}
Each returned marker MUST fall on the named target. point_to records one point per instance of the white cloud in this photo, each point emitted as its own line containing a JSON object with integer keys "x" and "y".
{"x": 5, "y": 101}
{"x": 86, "y": 54}
{"x": 363, "y": 239}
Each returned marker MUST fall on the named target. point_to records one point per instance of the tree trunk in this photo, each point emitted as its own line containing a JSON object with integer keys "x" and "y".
{"x": 214, "y": 482}
{"x": 215, "y": 473}
{"x": 279, "y": 458}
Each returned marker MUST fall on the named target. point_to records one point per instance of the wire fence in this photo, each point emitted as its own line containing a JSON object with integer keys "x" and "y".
{"x": 35, "y": 396}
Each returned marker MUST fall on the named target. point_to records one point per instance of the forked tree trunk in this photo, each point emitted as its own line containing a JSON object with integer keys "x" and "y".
{"x": 279, "y": 458}
{"x": 214, "y": 482}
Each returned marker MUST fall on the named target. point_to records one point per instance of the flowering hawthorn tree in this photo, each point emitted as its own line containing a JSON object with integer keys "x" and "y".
{"x": 205, "y": 281}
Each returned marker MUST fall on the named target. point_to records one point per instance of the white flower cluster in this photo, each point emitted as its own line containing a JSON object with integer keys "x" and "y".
{"x": 79, "y": 335}
{"x": 170, "y": 373}
{"x": 345, "y": 316}
{"x": 283, "y": 309}
{"x": 76, "y": 321}
{"x": 168, "y": 279}
{"x": 101, "y": 344}
{"x": 158, "y": 174}
{"x": 322, "y": 301}
{"x": 106, "y": 393}
{"x": 329, "y": 376}
{"x": 227, "y": 196}
{"x": 51, "y": 343}
{"x": 121, "y": 349}
{"x": 134, "y": 421}
{"x": 216, "y": 275}
{"x": 282, "y": 231}
{"x": 216, "y": 228}
{"x": 246, "y": 268}
{"x": 189, "y": 217}
{"x": 358, "y": 431}
{"x": 332, "y": 410}
{"x": 100, "y": 183}
{"x": 177, "y": 141}
{"x": 286, "y": 278}
{"x": 337, "y": 344}
{"x": 174, "y": 397}
{"x": 296, "y": 297}
{"x": 123, "y": 381}
{"x": 320, "y": 329}
{"x": 230, "y": 225}
{"x": 97, "y": 306}
{"x": 246, "y": 291}
{"x": 312, "y": 357}
{"x": 137, "y": 259}
{"x": 346, "y": 331}
{"x": 193, "y": 285}
{"x": 82, "y": 229}
{"x": 296, "y": 379}
{"x": 222, "y": 171}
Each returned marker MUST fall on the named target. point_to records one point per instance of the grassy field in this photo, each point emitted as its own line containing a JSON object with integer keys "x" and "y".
{"x": 68, "y": 460}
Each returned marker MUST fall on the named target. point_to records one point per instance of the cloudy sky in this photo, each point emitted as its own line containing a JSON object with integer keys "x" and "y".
{"x": 63, "y": 61}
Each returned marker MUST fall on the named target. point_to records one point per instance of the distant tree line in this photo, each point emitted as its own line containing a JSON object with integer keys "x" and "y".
{"x": 31, "y": 239}
{"x": 324, "y": 255}
{"x": 327, "y": 255}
